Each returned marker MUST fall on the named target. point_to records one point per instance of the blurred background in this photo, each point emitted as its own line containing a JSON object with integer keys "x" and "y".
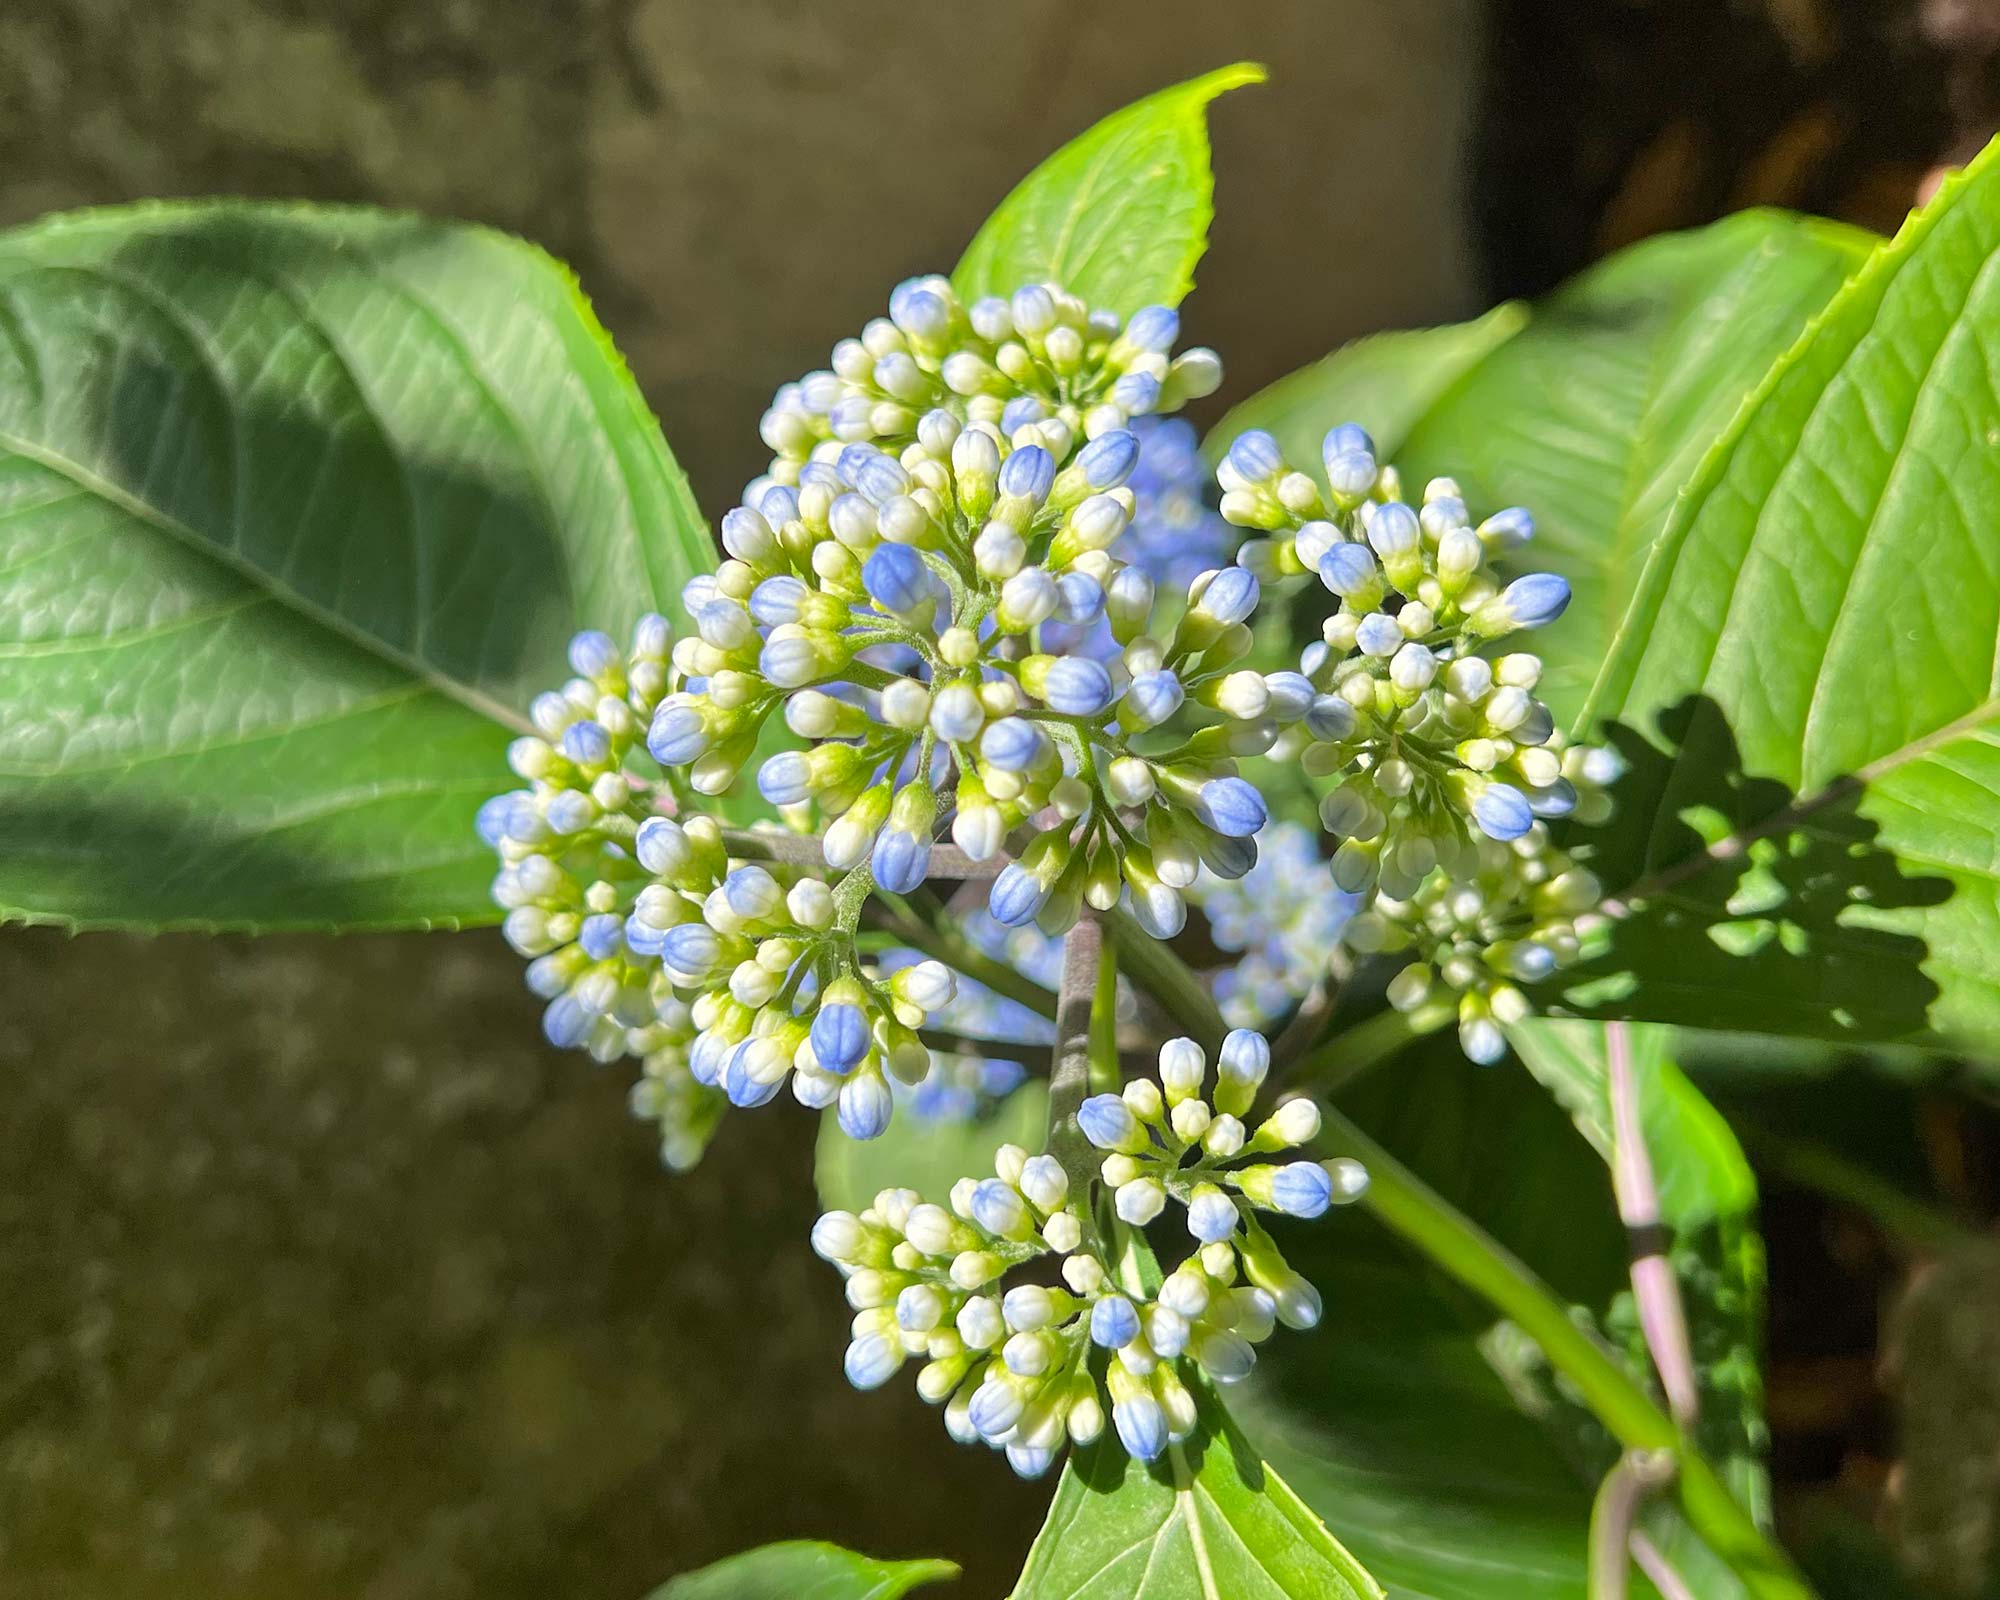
{"x": 322, "y": 1277}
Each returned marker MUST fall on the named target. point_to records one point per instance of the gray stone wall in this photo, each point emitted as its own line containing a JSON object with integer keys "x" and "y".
{"x": 322, "y": 1277}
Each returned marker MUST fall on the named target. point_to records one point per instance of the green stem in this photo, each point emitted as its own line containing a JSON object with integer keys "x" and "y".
{"x": 1421, "y": 1217}
{"x": 1106, "y": 1065}
{"x": 1085, "y": 956}
{"x": 1363, "y": 1047}
{"x": 1167, "y": 978}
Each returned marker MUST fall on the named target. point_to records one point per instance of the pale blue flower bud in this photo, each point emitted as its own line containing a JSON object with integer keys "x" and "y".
{"x": 567, "y": 1023}
{"x": 1230, "y": 596}
{"x": 901, "y": 861}
{"x": 1530, "y": 602}
{"x": 1108, "y": 1123}
{"x": 1142, "y": 1427}
{"x": 677, "y": 737}
{"x": 1019, "y": 412}
{"x": 1502, "y": 812}
{"x": 1077, "y": 686}
{"x": 1011, "y": 744}
{"x": 872, "y": 1360}
{"x": 865, "y": 1107}
{"x": 897, "y": 578}
{"x": 592, "y": 654}
{"x": 840, "y": 1037}
{"x": 1255, "y": 456}
{"x": 570, "y": 812}
{"x": 1291, "y": 695}
{"x": 747, "y": 1089}
{"x": 1507, "y": 529}
{"x": 1137, "y": 394}
{"x": 996, "y": 1407}
{"x": 776, "y": 601}
{"x": 1151, "y": 699}
{"x": 1302, "y": 1189}
{"x": 1154, "y": 328}
{"x": 1393, "y": 531}
{"x": 1018, "y": 896}
{"x": 1028, "y": 474}
{"x": 691, "y": 947}
{"x": 1378, "y": 635}
{"x": 1349, "y": 570}
{"x": 1211, "y": 1214}
{"x": 956, "y": 713}
{"x": 785, "y": 779}
{"x": 1114, "y": 1322}
{"x": 752, "y": 892}
{"x": 1232, "y": 807}
{"x": 1082, "y": 599}
{"x": 998, "y": 1208}
{"x": 1108, "y": 460}
{"x": 790, "y": 662}
{"x": 601, "y": 935}
{"x": 1331, "y": 718}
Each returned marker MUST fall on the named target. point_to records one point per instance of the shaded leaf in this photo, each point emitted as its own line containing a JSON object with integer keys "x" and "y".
{"x": 1120, "y": 214}
{"x": 1708, "y": 1202}
{"x": 804, "y": 1569}
{"x": 298, "y": 508}
{"x": 1821, "y": 617}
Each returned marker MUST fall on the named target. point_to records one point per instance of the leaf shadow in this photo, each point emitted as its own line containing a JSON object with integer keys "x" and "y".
{"x": 307, "y": 418}
{"x": 129, "y": 862}
{"x": 1742, "y": 905}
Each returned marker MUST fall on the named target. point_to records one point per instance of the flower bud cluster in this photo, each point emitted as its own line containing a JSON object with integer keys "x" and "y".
{"x": 1475, "y": 940}
{"x": 1012, "y": 1363}
{"x": 1166, "y": 1142}
{"x": 727, "y": 977}
{"x": 1041, "y": 351}
{"x": 1437, "y": 750}
{"x": 890, "y": 605}
{"x": 1281, "y": 921}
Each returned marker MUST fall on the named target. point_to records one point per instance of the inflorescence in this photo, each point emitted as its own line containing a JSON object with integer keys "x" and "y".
{"x": 1438, "y": 753}
{"x": 937, "y": 592}
{"x": 1026, "y": 1365}
{"x": 978, "y": 594}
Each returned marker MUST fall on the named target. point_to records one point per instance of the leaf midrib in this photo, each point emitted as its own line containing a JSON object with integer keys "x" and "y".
{"x": 258, "y": 577}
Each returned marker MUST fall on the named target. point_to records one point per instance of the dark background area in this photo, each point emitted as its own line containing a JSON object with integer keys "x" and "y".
{"x": 323, "y": 1276}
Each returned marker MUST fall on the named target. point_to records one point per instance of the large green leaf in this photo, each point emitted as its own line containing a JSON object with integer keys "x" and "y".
{"x": 802, "y": 1569}
{"x": 1708, "y": 1202}
{"x": 298, "y": 509}
{"x": 1120, "y": 214}
{"x": 1591, "y": 409}
{"x": 1431, "y": 1437}
{"x": 1807, "y": 675}
{"x": 1209, "y": 1521}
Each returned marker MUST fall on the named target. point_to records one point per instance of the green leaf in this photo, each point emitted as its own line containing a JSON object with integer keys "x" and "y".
{"x": 1708, "y": 1201}
{"x": 1591, "y": 409}
{"x": 1806, "y": 677}
{"x": 803, "y": 1569}
{"x": 1389, "y": 1419}
{"x": 1120, "y": 214}
{"x": 1701, "y": 1171}
{"x": 927, "y": 1157}
{"x": 1209, "y": 1521}
{"x": 1387, "y": 382}
{"x": 298, "y": 509}
{"x": 1431, "y": 1436}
